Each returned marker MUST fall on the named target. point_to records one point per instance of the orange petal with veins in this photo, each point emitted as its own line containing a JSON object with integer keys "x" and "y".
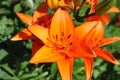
{"x": 80, "y": 50}
{"x": 106, "y": 41}
{"x": 40, "y": 12}
{"x": 65, "y": 67}
{"x": 105, "y": 18}
{"x": 62, "y": 25}
{"x": 113, "y": 9}
{"x": 46, "y": 54}
{"x": 105, "y": 55}
{"x": 23, "y": 35}
{"x": 82, "y": 30}
{"x": 95, "y": 35}
{"x": 88, "y": 63}
{"x": 40, "y": 32}
{"x": 25, "y": 18}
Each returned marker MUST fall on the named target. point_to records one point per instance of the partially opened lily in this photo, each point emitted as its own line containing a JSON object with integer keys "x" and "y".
{"x": 93, "y": 37}
{"x": 104, "y": 18}
{"x": 60, "y": 44}
{"x": 40, "y": 17}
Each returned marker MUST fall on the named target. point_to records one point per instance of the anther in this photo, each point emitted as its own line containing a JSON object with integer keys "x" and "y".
{"x": 100, "y": 41}
{"x": 62, "y": 34}
{"x": 47, "y": 39}
{"x": 69, "y": 36}
{"x": 56, "y": 37}
{"x": 70, "y": 43}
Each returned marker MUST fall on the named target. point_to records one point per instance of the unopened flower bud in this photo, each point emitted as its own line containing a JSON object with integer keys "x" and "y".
{"x": 53, "y": 4}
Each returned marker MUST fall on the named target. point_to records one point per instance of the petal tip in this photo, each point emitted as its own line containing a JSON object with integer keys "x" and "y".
{"x": 15, "y": 39}
{"x": 31, "y": 61}
{"x": 116, "y": 62}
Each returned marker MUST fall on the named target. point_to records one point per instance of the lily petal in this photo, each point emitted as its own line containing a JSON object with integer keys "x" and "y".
{"x": 80, "y": 50}
{"x": 23, "y": 35}
{"x": 61, "y": 25}
{"x": 105, "y": 55}
{"x": 113, "y": 9}
{"x": 106, "y": 41}
{"x": 105, "y": 18}
{"x": 88, "y": 63}
{"x": 82, "y": 30}
{"x": 40, "y": 12}
{"x": 25, "y": 18}
{"x": 95, "y": 35}
{"x": 65, "y": 67}
{"x": 46, "y": 54}
{"x": 40, "y": 32}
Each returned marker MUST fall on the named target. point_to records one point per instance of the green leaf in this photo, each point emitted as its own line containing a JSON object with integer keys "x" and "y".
{"x": 28, "y": 75}
{"x": 53, "y": 69}
{"x": 4, "y": 75}
{"x": 24, "y": 64}
{"x": 96, "y": 73}
{"x": 3, "y": 53}
{"x": 17, "y": 8}
{"x": 8, "y": 69}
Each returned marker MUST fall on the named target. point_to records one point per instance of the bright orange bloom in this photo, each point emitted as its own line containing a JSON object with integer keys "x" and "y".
{"x": 93, "y": 37}
{"x": 61, "y": 46}
{"x": 40, "y": 17}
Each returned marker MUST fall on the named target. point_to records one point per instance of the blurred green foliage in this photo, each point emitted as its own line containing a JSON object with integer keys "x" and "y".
{"x": 15, "y": 56}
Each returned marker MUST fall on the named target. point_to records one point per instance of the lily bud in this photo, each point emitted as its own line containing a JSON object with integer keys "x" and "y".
{"x": 104, "y": 6}
{"x": 52, "y": 4}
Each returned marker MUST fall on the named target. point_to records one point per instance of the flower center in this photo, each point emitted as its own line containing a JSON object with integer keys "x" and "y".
{"x": 60, "y": 42}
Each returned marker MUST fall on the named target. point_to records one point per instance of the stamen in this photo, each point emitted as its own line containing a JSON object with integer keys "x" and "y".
{"x": 100, "y": 40}
{"x": 91, "y": 41}
{"x": 62, "y": 34}
{"x": 63, "y": 47}
{"x": 69, "y": 36}
{"x": 95, "y": 39}
{"x": 53, "y": 36}
{"x": 56, "y": 37}
{"x": 47, "y": 39}
{"x": 70, "y": 43}
{"x": 61, "y": 39}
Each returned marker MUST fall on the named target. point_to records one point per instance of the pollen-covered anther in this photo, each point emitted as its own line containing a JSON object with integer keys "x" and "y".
{"x": 56, "y": 37}
{"x": 62, "y": 34}
{"x": 69, "y": 36}
{"x": 70, "y": 43}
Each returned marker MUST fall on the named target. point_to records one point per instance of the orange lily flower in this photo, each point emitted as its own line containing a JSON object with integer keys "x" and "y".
{"x": 104, "y": 18}
{"x": 40, "y": 17}
{"x": 93, "y": 37}
{"x": 60, "y": 44}
{"x": 36, "y": 19}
